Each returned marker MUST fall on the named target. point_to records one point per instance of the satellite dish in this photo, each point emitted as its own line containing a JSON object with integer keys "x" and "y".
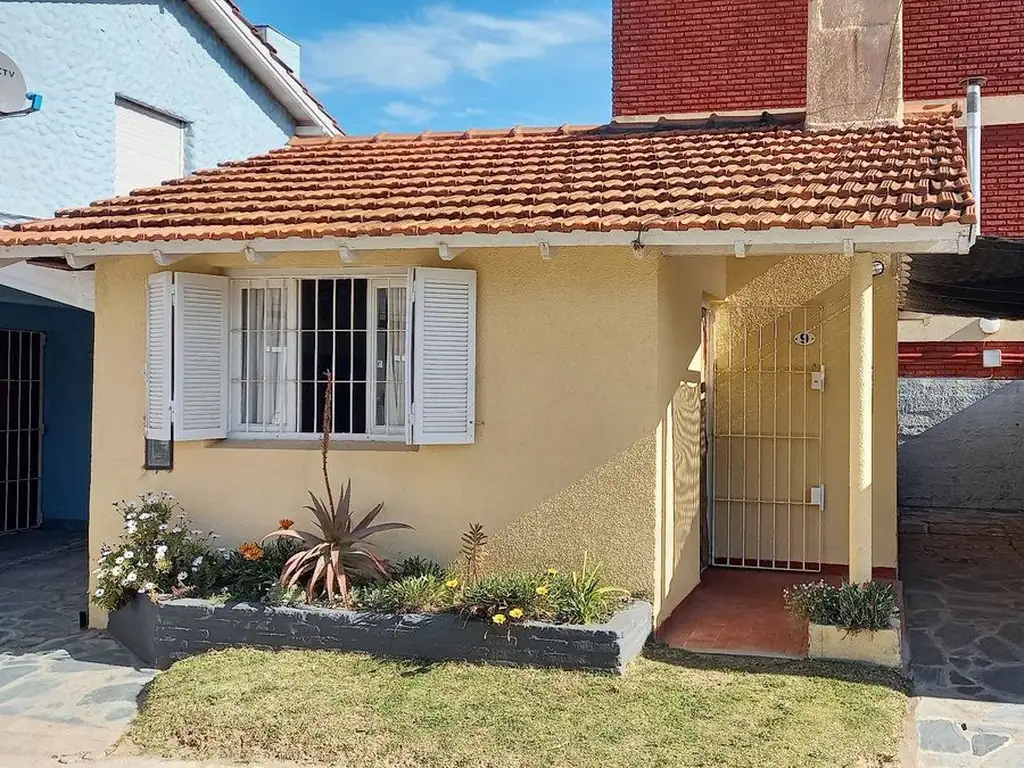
{"x": 12, "y": 85}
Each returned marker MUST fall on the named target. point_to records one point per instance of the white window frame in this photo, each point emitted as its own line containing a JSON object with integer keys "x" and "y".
{"x": 290, "y": 280}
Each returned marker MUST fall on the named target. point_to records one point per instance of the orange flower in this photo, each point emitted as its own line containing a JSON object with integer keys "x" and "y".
{"x": 285, "y": 524}
{"x": 251, "y": 551}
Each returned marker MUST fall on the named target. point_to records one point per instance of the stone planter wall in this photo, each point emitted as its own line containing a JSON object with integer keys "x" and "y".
{"x": 163, "y": 632}
{"x": 882, "y": 647}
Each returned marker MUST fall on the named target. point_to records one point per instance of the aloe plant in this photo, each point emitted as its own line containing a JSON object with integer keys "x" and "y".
{"x": 341, "y": 550}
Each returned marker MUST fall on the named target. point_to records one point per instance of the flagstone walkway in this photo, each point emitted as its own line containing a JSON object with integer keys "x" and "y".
{"x": 65, "y": 694}
{"x": 963, "y": 581}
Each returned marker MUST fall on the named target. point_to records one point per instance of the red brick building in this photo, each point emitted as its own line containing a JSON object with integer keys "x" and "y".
{"x": 727, "y": 56}
{"x": 731, "y": 57}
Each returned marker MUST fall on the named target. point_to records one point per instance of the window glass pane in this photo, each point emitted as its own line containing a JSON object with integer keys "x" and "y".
{"x": 353, "y": 327}
{"x": 389, "y": 358}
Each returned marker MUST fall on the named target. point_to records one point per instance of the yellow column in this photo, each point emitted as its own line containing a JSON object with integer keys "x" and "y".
{"x": 861, "y": 358}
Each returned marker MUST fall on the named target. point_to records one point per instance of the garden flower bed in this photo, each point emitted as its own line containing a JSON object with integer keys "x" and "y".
{"x": 165, "y": 630}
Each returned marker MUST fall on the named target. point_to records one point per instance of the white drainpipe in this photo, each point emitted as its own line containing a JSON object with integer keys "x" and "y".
{"x": 973, "y": 85}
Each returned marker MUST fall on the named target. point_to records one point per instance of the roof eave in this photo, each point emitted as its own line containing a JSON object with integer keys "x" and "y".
{"x": 310, "y": 117}
{"x": 906, "y": 238}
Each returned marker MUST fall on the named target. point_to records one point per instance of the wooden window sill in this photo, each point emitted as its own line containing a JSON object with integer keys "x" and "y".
{"x": 379, "y": 446}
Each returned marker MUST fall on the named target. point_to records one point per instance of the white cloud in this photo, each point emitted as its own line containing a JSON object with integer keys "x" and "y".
{"x": 409, "y": 113}
{"x": 425, "y": 52}
{"x": 470, "y": 112}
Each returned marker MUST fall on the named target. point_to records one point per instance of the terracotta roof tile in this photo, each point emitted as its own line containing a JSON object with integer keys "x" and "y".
{"x": 536, "y": 180}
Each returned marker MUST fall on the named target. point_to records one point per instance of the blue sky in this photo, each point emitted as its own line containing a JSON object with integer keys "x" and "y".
{"x": 407, "y": 66}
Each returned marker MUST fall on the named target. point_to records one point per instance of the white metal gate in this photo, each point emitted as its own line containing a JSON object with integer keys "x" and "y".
{"x": 768, "y": 424}
{"x": 21, "y": 429}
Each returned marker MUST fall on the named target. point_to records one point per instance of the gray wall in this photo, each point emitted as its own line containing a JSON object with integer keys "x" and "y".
{"x": 961, "y": 443}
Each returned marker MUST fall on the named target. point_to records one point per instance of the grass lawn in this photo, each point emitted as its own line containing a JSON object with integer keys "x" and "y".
{"x": 671, "y": 709}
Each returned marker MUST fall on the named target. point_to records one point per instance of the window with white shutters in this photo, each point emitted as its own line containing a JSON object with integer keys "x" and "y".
{"x": 149, "y": 147}
{"x": 399, "y": 348}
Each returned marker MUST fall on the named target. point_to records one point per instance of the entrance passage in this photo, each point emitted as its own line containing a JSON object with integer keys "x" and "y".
{"x": 21, "y": 429}
{"x": 768, "y": 416}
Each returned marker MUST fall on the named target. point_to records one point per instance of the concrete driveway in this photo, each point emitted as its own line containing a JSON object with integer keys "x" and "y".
{"x": 963, "y": 580}
{"x": 65, "y": 694}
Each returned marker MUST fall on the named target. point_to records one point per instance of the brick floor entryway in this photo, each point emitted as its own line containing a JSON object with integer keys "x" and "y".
{"x": 739, "y": 612}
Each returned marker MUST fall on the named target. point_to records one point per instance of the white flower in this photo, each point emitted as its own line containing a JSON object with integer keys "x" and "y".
{"x": 176, "y": 529}
{"x": 182, "y": 576}
{"x": 131, "y": 527}
{"x": 119, "y": 559}
{"x": 197, "y": 562}
{"x": 98, "y": 592}
{"x": 161, "y": 552}
{"x": 145, "y": 516}
{"x": 214, "y": 535}
{"x": 131, "y": 576}
{"x": 115, "y": 571}
{"x": 197, "y": 533}
{"x": 168, "y": 496}
{"x": 149, "y": 586}
{"x": 163, "y": 527}
{"x": 128, "y": 554}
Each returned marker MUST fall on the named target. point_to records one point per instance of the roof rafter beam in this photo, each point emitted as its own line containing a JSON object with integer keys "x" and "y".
{"x": 167, "y": 259}
{"x": 257, "y": 257}
{"x": 77, "y": 261}
{"x": 446, "y": 252}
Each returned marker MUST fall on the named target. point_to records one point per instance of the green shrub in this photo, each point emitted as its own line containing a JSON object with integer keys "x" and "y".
{"x": 251, "y": 573}
{"x": 419, "y": 566}
{"x": 413, "y": 594}
{"x": 580, "y": 598}
{"x": 157, "y": 554}
{"x": 501, "y": 597}
{"x": 869, "y": 606}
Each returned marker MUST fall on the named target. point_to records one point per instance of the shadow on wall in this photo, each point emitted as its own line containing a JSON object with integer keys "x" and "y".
{"x": 961, "y": 443}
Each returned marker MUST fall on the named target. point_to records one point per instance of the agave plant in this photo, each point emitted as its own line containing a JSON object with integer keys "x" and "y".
{"x": 341, "y": 550}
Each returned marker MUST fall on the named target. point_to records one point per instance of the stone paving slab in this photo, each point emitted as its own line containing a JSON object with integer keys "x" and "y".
{"x": 63, "y": 691}
{"x": 963, "y": 582}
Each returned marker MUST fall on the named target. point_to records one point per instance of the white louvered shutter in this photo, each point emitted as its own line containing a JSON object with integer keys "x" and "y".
{"x": 444, "y": 356}
{"x": 159, "y": 314}
{"x": 149, "y": 147}
{"x": 200, "y": 356}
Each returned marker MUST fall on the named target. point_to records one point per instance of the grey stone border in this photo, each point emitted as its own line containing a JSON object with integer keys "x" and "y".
{"x": 165, "y": 631}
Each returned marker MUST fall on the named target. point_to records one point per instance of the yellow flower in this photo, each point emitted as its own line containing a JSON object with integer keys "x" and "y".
{"x": 516, "y": 613}
{"x": 552, "y": 571}
{"x": 542, "y": 589}
{"x": 498, "y": 618}
{"x": 452, "y": 583}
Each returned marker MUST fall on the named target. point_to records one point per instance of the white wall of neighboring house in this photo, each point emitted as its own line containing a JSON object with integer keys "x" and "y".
{"x": 918, "y": 326}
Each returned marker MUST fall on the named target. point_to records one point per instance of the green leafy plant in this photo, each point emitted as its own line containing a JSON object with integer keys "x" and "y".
{"x": 856, "y": 607}
{"x": 582, "y": 599}
{"x": 427, "y": 593}
{"x": 340, "y": 552}
{"x": 418, "y": 566}
{"x": 506, "y": 597}
{"x": 473, "y": 552}
{"x": 251, "y": 573}
{"x": 158, "y": 553}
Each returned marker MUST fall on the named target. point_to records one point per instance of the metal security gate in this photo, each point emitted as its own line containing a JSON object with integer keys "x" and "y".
{"x": 768, "y": 425}
{"x": 21, "y": 429}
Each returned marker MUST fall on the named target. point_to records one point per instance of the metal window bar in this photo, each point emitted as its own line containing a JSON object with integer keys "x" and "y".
{"x": 753, "y": 372}
{"x": 287, "y": 333}
{"x": 21, "y": 429}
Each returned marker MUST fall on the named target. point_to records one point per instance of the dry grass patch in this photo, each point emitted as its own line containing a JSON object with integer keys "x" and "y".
{"x": 671, "y": 709}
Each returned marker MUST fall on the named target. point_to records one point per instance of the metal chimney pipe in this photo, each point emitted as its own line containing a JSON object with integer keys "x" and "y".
{"x": 973, "y": 86}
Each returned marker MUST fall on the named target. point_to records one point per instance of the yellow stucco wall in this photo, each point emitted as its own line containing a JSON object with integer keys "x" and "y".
{"x": 683, "y": 285}
{"x": 567, "y": 412}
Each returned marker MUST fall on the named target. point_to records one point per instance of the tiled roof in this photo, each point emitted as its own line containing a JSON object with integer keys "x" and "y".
{"x": 611, "y": 178}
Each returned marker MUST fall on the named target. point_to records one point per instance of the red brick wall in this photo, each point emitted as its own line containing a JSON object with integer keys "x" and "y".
{"x": 947, "y": 40}
{"x": 1002, "y": 180}
{"x": 959, "y": 360}
{"x": 671, "y": 56}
